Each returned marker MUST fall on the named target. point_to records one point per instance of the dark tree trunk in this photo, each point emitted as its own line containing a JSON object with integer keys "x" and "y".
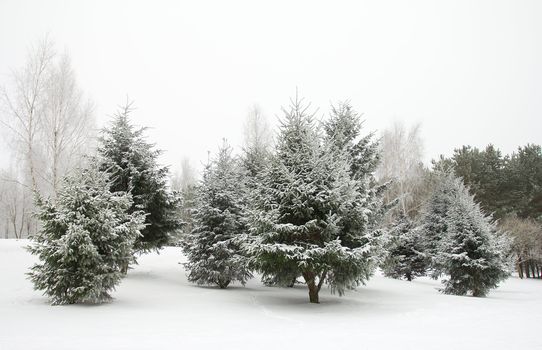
{"x": 223, "y": 284}
{"x": 292, "y": 283}
{"x": 409, "y": 276}
{"x": 309, "y": 277}
{"x": 519, "y": 268}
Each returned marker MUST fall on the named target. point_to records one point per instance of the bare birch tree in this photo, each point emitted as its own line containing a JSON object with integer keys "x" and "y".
{"x": 15, "y": 205}
{"x": 257, "y": 132}
{"x": 48, "y": 125}
{"x": 23, "y": 105}
{"x": 67, "y": 121}
{"x": 401, "y": 163}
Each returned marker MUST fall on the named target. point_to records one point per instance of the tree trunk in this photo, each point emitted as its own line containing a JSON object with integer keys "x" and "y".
{"x": 519, "y": 269}
{"x": 124, "y": 269}
{"x": 14, "y": 223}
{"x": 223, "y": 284}
{"x": 30, "y": 160}
{"x": 28, "y": 225}
{"x": 23, "y": 214}
{"x": 309, "y": 277}
{"x": 292, "y": 283}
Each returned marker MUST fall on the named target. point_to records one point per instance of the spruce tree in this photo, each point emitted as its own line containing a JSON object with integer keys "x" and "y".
{"x": 404, "y": 256}
{"x": 133, "y": 165}
{"x": 343, "y": 134}
{"x": 87, "y": 236}
{"x": 213, "y": 248}
{"x": 314, "y": 217}
{"x": 434, "y": 217}
{"x": 471, "y": 254}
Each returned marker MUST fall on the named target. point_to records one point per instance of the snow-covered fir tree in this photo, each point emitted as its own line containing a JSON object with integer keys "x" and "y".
{"x": 344, "y": 129}
{"x": 255, "y": 159}
{"x": 133, "y": 165}
{"x": 185, "y": 209}
{"x": 404, "y": 251}
{"x": 434, "y": 217}
{"x": 314, "y": 216}
{"x": 213, "y": 248}
{"x": 471, "y": 254}
{"x": 87, "y": 237}
{"x": 343, "y": 133}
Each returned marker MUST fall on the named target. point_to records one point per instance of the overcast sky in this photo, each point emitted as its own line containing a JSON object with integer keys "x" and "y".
{"x": 469, "y": 71}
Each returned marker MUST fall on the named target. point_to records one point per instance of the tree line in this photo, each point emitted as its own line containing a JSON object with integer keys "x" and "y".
{"x": 317, "y": 202}
{"x": 307, "y": 209}
{"x": 510, "y": 187}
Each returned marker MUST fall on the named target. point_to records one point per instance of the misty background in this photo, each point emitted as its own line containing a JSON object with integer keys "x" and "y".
{"x": 469, "y": 72}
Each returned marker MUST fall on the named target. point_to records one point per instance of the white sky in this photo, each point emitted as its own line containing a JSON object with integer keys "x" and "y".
{"x": 469, "y": 71}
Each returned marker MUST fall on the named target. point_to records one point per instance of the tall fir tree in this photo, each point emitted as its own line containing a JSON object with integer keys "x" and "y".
{"x": 86, "y": 239}
{"x": 471, "y": 255}
{"x": 213, "y": 248}
{"x": 404, "y": 251}
{"x": 133, "y": 165}
{"x": 343, "y": 128}
{"x": 313, "y": 219}
{"x": 343, "y": 134}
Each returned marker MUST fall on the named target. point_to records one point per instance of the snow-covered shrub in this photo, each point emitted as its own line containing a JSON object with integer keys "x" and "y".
{"x": 404, "y": 256}
{"x": 471, "y": 255}
{"x": 213, "y": 248}
{"x": 86, "y": 239}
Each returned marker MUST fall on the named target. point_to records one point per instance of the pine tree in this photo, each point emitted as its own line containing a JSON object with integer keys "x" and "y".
{"x": 471, "y": 254}
{"x": 213, "y": 248}
{"x": 87, "y": 236}
{"x": 314, "y": 219}
{"x": 133, "y": 165}
{"x": 404, "y": 251}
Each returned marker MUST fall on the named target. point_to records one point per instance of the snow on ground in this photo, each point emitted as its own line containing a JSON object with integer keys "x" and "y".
{"x": 156, "y": 308}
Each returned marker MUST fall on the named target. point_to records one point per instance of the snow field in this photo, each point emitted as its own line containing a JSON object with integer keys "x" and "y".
{"x": 156, "y": 308}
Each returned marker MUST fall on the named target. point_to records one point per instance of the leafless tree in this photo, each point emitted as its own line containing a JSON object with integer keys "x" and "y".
{"x": 67, "y": 121}
{"x": 184, "y": 177}
{"x": 23, "y": 105}
{"x": 48, "y": 125}
{"x": 257, "y": 132}
{"x": 401, "y": 163}
{"x": 526, "y": 235}
{"x": 15, "y": 205}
